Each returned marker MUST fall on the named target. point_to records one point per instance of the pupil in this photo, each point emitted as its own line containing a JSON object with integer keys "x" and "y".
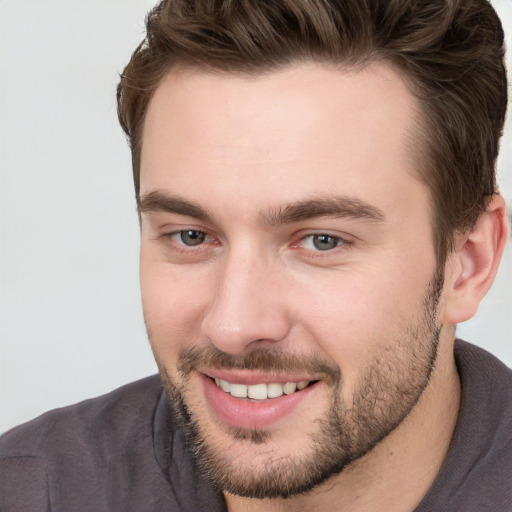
{"x": 192, "y": 237}
{"x": 324, "y": 242}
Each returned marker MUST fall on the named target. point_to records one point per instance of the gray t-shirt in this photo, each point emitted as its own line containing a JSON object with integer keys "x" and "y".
{"x": 125, "y": 452}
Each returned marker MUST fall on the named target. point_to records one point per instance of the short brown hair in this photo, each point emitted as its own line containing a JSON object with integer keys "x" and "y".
{"x": 450, "y": 52}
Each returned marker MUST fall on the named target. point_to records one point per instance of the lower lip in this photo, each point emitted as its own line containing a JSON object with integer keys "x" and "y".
{"x": 251, "y": 414}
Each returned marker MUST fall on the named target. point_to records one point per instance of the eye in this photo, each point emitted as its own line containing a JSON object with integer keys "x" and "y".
{"x": 190, "y": 237}
{"x": 322, "y": 242}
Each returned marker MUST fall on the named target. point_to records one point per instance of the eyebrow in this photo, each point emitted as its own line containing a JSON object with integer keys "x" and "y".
{"x": 335, "y": 207}
{"x": 159, "y": 202}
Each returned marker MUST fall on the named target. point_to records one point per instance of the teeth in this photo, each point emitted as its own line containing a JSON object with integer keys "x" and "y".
{"x": 257, "y": 391}
{"x": 224, "y": 385}
{"x": 274, "y": 390}
{"x": 289, "y": 388}
{"x": 260, "y": 391}
{"x": 238, "y": 390}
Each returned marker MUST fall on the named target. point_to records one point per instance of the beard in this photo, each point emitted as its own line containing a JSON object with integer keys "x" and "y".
{"x": 390, "y": 385}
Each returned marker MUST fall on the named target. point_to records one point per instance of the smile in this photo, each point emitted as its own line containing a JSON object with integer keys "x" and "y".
{"x": 261, "y": 391}
{"x": 254, "y": 401}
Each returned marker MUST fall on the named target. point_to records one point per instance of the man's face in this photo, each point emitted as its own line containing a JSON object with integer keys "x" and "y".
{"x": 286, "y": 244}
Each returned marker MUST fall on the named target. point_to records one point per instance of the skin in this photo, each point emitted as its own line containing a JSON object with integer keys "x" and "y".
{"x": 242, "y": 149}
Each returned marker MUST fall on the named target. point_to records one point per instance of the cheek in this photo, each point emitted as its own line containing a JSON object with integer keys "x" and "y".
{"x": 173, "y": 303}
{"x": 346, "y": 325}
{"x": 354, "y": 317}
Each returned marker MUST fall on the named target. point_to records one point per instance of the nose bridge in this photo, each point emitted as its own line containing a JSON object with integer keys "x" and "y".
{"x": 245, "y": 307}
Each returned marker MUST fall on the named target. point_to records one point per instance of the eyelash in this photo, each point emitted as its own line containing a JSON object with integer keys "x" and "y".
{"x": 181, "y": 246}
{"x": 343, "y": 245}
{"x": 339, "y": 241}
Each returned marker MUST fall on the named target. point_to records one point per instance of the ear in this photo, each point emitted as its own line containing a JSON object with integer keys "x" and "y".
{"x": 472, "y": 267}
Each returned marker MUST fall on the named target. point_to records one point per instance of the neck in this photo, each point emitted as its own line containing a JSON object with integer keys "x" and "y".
{"x": 399, "y": 471}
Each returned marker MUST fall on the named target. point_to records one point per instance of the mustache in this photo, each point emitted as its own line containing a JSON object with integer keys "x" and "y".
{"x": 267, "y": 360}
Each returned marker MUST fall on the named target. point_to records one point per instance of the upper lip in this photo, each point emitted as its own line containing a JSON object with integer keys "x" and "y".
{"x": 249, "y": 377}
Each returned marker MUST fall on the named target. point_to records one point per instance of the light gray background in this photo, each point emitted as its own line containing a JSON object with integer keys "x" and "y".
{"x": 70, "y": 317}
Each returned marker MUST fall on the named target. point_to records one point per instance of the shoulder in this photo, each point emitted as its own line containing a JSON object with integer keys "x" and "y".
{"x": 74, "y": 455}
{"x": 477, "y": 472}
{"x": 113, "y": 414}
{"x": 484, "y": 378}
{"x": 485, "y": 418}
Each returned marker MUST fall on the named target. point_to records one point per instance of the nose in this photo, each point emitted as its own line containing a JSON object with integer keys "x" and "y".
{"x": 248, "y": 307}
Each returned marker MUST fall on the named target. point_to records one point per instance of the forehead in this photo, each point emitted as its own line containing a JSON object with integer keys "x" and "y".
{"x": 305, "y": 127}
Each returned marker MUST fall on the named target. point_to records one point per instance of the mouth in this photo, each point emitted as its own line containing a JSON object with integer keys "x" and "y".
{"x": 254, "y": 401}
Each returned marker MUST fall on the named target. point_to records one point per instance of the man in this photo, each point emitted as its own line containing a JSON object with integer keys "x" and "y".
{"x": 318, "y": 206}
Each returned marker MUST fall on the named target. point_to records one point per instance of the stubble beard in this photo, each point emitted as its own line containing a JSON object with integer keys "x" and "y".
{"x": 392, "y": 384}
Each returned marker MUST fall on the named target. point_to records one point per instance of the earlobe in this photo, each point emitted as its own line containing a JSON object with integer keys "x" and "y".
{"x": 472, "y": 267}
